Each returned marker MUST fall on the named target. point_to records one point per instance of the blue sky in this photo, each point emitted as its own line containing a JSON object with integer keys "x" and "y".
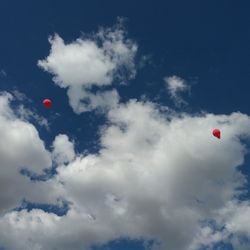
{"x": 126, "y": 154}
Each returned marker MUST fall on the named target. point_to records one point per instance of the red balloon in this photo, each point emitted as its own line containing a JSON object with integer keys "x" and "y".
{"x": 216, "y": 133}
{"x": 47, "y": 103}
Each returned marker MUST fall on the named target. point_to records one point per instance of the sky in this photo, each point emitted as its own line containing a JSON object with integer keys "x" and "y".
{"x": 125, "y": 158}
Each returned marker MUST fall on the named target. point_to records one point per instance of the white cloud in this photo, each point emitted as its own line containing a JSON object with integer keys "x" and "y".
{"x": 175, "y": 85}
{"x": 158, "y": 175}
{"x": 239, "y": 218}
{"x": 236, "y": 219}
{"x": 63, "y": 149}
{"x": 82, "y": 100}
{"x": 20, "y": 147}
{"x": 91, "y": 61}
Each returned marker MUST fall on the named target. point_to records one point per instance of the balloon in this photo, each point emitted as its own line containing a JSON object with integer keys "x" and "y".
{"x": 47, "y": 103}
{"x": 216, "y": 133}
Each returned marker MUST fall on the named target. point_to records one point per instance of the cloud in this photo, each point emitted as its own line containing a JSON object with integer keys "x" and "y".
{"x": 63, "y": 149}
{"x": 20, "y": 96}
{"x": 95, "y": 60}
{"x": 82, "y": 100}
{"x": 236, "y": 219}
{"x": 3, "y": 73}
{"x": 27, "y": 114}
{"x": 175, "y": 85}
{"x": 20, "y": 147}
{"x": 159, "y": 175}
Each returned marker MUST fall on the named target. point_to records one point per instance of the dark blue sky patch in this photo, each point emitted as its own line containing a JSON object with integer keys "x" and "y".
{"x": 124, "y": 244}
{"x": 48, "y": 208}
{"x": 48, "y": 173}
{"x": 219, "y": 246}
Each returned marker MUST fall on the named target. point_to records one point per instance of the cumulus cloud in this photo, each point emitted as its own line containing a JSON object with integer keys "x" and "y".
{"x": 20, "y": 147}
{"x": 175, "y": 85}
{"x": 95, "y": 60}
{"x": 158, "y": 175}
{"x": 82, "y": 100}
{"x": 63, "y": 149}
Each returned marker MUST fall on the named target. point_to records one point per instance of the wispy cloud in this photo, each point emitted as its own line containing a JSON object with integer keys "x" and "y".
{"x": 3, "y": 73}
{"x": 27, "y": 114}
{"x": 20, "y": 96}
{"x": 175, "y": 86}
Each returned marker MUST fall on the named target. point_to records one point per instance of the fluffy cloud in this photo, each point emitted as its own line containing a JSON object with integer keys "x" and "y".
{"x": 158, "y": 175}
{"x": 82, "y": 100}
{"x": 20, "y": 147}
{"x": 91, "y": 61}
{"x": 63, "y": 151}
{"x": 175, "y": 85}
